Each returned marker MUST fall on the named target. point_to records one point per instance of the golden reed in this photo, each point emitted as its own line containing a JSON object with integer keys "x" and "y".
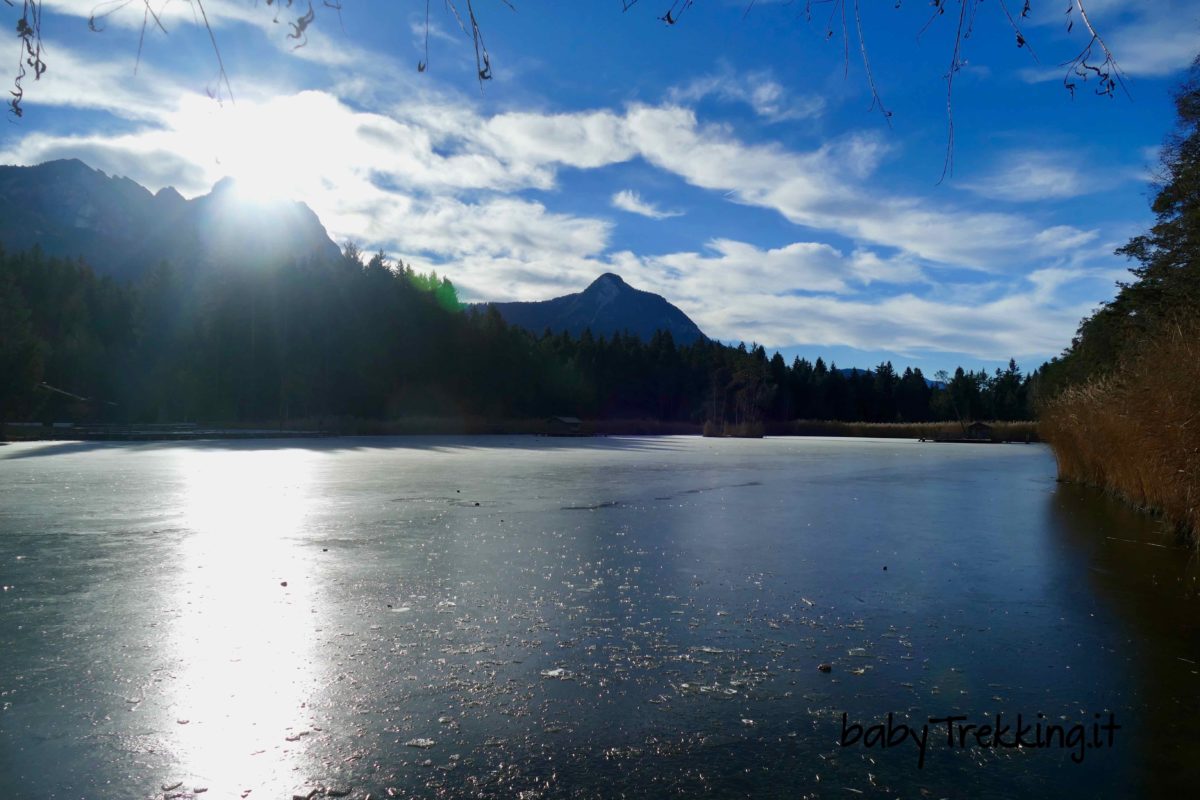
{"x": 1135, "y": 432}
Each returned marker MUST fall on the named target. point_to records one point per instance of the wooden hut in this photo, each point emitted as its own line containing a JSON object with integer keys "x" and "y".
{"x": 978, "y": 432}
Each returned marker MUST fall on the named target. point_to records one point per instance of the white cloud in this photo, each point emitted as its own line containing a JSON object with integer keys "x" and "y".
{"x": 759, "y": 90}
{"x": 584, "y": 139}
{"x": 1064, "y": 238}
{"x": 501, "y": 228}
{"x": 869, "y": 267}
{"x": 1049, "y": 282}
{"x": 822, "y": 189}
{"x": 1008, "y": 327}
{"x": 631, "y": 201}
{"x": 737, "y": 268}
{"x": 1017, "y": 320}
{"x": 112, "y": 86}
{"x": 420, "y": 28}
{"x": 1031, "y": 175}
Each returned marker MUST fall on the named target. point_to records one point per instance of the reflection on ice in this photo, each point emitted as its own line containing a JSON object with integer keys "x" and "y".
{"x": 243, "y": 628}
{"x": 251, "y": 498}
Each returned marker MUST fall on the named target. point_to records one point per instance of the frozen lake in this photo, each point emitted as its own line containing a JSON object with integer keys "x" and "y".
{"x": 486, "y": 617}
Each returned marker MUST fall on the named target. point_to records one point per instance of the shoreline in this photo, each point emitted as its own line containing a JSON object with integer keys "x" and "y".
{"x": 1011, "y": 432}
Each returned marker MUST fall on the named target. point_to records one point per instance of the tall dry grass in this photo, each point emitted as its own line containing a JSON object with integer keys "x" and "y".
{"x": 1135, "y": 432}
{"x": 1001, "y": 431}
{"x": 737, "y": 430}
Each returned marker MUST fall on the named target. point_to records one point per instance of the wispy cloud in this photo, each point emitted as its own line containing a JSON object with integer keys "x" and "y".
{"x": 823, "y": 188}
{"x": 112, "y": 86}
{"x": 1065, "y": 238}
{"x": 759, "y": 90}
{"x": 631, "y": 201}
{"x": 1033, "y": 175}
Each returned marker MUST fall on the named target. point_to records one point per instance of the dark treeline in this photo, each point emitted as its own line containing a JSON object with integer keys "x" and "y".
{"x": 361, "y": 338}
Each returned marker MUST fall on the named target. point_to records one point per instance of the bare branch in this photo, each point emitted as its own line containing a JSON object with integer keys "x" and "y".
{"x": 876, "y": 100}
{"x": 1108, "y": 73}
{"x": 336, "y": 5}
{"x": 1021, "y": 40}
{"x": 845, "y": 40}
{"x": 955, "y": 64}
{"x": 483, "y": 62}
{"x": 423, "y": 64}
{"x": 222, "y": 75}
{"x": 678, "y": 7}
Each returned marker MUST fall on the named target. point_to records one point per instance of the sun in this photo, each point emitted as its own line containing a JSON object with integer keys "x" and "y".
{"x": 243, "y": 142}
{"x": 255, "y": 187}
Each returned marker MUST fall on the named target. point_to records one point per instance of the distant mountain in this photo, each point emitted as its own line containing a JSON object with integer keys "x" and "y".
{"x": 851, "y": 372}
{"x": 609, "y": 305}
{"x": 121, "y": 229}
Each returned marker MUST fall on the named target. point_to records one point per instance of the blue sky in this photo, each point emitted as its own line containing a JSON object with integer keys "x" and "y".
{"x": 731, "y": 162}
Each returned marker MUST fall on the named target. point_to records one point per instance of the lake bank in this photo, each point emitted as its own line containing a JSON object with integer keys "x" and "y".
{"x": 477, "y": 426}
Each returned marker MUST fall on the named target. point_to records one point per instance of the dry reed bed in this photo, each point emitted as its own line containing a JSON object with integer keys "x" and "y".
{"x": 1134, "y": 432}
{"x": 1001, "y": 431}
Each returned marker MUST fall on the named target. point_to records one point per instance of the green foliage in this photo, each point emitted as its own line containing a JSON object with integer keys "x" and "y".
{"x": 1166, "y": 288}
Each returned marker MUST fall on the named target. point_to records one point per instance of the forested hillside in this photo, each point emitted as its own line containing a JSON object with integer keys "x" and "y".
{"x": 361, "y": 338}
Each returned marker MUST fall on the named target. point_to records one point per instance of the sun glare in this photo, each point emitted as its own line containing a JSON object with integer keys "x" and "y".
{"x": 252, "y": 186}
{"x": 265, "y": 147}
{"x": 244, "y": 638}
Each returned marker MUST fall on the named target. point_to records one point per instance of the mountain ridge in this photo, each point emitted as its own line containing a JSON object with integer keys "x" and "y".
{"x": 122, "y": 229}
{"x": 606, "y": 307}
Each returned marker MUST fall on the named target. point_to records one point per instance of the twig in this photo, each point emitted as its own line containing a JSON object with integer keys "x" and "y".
{"x": 876, "y": 100}
{"x": 1021, "y": 40}
{"x": 948, "y": 163}
{"x": 424, "y": 64}
{"x": 1108, "y": 73}
{"x": 217, "y": 50}
{"x": 1135, "y": 541}
{"x": 29, "y": 31}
